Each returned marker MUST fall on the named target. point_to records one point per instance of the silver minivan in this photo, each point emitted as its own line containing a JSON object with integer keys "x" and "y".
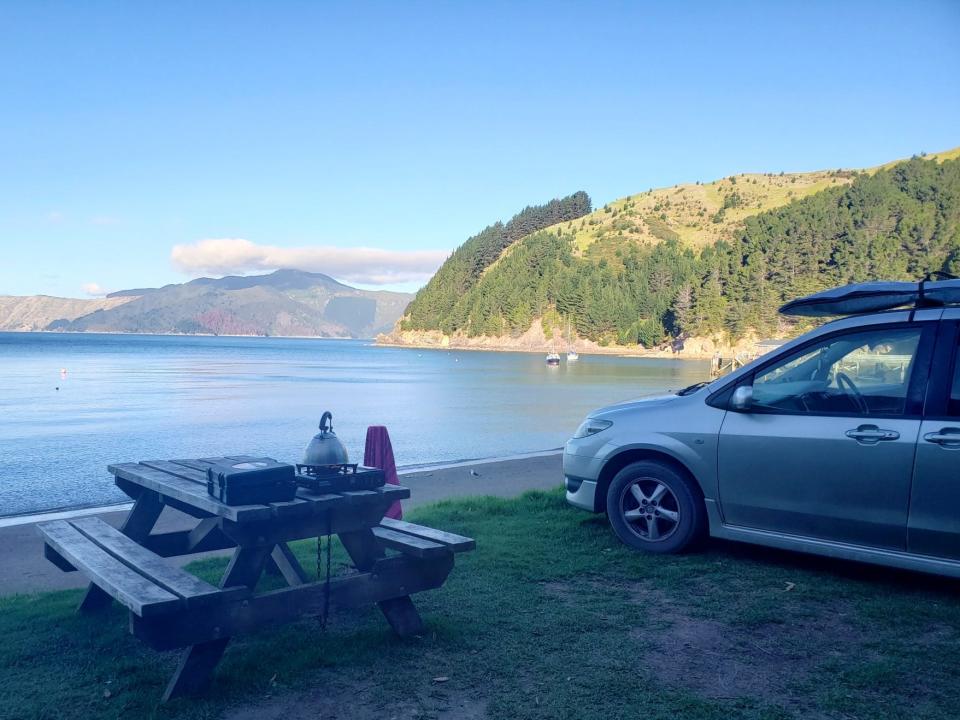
{"x": 843, "y": 442}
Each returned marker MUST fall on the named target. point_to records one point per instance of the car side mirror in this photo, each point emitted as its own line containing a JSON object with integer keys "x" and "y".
{"x": 742, "y": 399}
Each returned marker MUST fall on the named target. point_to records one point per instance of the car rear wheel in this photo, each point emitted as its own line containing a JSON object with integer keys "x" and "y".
{"x": 653, "y": 507}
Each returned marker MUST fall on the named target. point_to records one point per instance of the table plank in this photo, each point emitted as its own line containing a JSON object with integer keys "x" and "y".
{"x": 348, "y": 496}
{"x": 409, "y": 544}
{"x": 187, "y": 470}
{"x": 175, "y": 468}
{"x": 128, "y": 587}
{"x": 184, "y": 482}
{"x": 354, "y": 496}
{"x": 188, "y": 492}
{"x": 458, "y": 543}
{"x": 179, "y": 582}
{"x": 282, "y": 508}
{"x": 394, "y": 492}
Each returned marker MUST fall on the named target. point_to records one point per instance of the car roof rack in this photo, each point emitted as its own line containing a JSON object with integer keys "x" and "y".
{"x": 870, "y": 297}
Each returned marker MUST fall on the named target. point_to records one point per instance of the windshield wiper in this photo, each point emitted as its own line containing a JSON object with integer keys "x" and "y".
{"x": 690, "y": 389}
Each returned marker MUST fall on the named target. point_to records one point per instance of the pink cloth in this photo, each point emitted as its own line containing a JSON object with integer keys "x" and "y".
{"x": 378, "y": 453}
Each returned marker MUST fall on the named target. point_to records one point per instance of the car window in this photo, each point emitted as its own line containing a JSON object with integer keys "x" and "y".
{"x": 953, "y": 406}
{"x": 859, "y": 373}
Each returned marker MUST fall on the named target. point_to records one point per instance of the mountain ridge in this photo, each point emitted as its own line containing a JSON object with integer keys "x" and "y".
{"x": 283, "y": 303}
{"x": 734, "y": 198}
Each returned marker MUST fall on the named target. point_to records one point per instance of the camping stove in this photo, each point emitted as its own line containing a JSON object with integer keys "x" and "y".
{"x": 339, "y": 477}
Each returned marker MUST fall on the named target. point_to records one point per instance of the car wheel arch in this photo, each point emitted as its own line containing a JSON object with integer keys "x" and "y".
{"x": 626, "y": 457}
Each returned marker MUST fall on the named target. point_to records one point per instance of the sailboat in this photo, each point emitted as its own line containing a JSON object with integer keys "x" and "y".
{"x": 571, "y": 353}
{"x": 553, "y": 357}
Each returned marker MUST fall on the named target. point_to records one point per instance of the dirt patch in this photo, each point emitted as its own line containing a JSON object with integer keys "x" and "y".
{"x": 721, "y": 660}
{"x": 355, "y": 701}
{"x": 716, "y": 659}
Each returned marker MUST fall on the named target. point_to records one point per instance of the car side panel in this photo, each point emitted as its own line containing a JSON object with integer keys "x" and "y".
{"x": 691, "y": 441}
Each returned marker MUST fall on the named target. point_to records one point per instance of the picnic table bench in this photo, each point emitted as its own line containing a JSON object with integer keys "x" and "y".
{"x": 169, "y": 608}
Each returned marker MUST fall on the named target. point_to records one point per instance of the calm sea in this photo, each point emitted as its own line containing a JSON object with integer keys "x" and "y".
{"x": 127, "y": 398}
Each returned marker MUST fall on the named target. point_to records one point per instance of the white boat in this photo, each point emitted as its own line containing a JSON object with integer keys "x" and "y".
{"x": 553, "y": 359}
{"x": 875, "y": 296}
{"x": 571, "y": 353}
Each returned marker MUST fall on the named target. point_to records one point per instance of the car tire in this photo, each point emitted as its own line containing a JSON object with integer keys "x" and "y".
{"x": 655, "y": 508}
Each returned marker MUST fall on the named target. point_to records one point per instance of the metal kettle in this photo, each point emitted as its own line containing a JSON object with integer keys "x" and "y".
{"x": 325, "y": 448}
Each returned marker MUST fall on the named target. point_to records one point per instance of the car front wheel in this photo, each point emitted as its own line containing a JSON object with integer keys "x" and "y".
{"x": 653, "y": 507}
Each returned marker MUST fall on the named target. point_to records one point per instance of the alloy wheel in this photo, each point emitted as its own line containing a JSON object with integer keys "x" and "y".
{"x": 650, "y": 509}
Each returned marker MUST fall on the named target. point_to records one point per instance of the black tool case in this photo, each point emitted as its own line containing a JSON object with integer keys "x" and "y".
{"x": 252, "y": 482}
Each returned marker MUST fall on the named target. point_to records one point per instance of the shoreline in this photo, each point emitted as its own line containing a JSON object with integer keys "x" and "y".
{"x": 71, "y": 511}
{"x": 541, "y": 339}
{"x": 620, "y": 351}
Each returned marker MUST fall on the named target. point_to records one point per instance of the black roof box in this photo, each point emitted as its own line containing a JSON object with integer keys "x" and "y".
{"x": 871, "y": 297}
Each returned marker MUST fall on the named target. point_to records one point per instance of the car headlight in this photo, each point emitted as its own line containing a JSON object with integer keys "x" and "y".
{"x": 591, "y": 426}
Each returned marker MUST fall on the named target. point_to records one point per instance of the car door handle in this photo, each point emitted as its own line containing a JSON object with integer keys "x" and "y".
{"x": 948, "y": 437}
{"x": 871, "y": 434}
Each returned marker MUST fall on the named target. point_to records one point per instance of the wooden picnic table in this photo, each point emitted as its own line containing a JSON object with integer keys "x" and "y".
{"x": 170, "y": 608}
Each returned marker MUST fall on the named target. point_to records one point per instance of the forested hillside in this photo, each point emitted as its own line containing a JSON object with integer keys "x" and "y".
{"x": 898, "y": 223}
{"x": 434, "y": 304}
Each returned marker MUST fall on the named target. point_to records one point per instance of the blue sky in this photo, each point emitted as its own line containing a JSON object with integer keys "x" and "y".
{"x": 312, "y": 129}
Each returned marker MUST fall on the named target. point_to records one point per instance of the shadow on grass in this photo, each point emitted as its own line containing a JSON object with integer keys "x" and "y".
{"x": 843, "y": 569}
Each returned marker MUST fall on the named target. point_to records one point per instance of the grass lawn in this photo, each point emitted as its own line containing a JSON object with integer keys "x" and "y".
{"x": 551, "y": 617}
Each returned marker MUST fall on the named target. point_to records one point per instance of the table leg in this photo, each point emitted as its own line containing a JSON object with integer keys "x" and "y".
{"x": 283, "y": 561}
{"x": 196, "y": 665}
{"x": 137, "y": 526}
{"x": 198, "y": 661}
{"x": 364, "y": 549}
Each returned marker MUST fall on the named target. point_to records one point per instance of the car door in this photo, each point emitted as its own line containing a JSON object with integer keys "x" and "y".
{"x": 934, "y": 524}
{"x": 825, "y": 449}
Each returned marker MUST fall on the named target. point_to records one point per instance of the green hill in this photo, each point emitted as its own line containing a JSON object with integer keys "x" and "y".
{"x": 436, "y": 307}
{"x": 710, "y": 260}
{"x": 700, "y": 214}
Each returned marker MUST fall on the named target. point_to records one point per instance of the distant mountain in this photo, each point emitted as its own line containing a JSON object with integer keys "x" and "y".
{"x": 283, "y": 303}
{"x": 35, "y": 312}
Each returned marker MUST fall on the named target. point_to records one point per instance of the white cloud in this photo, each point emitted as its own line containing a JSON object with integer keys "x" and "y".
{"x": 94, "y": 290}
{"x": 373, "y": 266}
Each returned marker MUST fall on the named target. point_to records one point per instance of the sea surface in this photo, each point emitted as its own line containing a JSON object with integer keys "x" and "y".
{"x": 72, "y": 403}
